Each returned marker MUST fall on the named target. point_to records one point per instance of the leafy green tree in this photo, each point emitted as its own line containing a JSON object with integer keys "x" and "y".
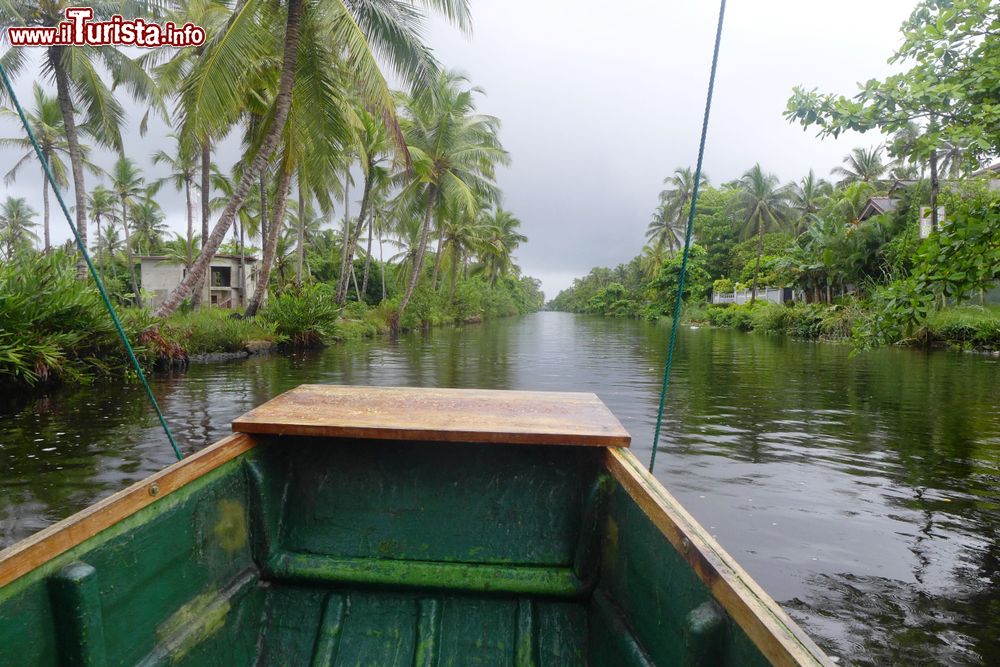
{"x": 950, "y": 90}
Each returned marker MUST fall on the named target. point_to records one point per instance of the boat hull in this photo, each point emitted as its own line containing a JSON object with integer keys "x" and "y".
{"x": 269, "y": 549}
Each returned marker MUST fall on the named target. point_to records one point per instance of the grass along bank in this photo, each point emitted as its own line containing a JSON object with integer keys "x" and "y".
{"x": 960, "y": 327}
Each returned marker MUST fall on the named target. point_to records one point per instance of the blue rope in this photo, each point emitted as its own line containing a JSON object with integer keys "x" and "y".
{"x": 90, "y": 264}
{"x": 687, "y": 240}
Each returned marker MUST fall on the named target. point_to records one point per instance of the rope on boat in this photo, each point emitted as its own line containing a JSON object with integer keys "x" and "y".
{"x": 687, "y": 240}
{"x": 90, "y": 265}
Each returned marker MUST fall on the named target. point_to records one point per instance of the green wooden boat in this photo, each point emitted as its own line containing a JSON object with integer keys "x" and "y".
{"x": 386, "y": 526}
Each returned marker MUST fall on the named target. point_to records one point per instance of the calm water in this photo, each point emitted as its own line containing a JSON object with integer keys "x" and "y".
{"x": 863, "y": 494}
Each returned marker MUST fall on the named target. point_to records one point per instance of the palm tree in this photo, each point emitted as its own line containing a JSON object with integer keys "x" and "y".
{"x": 181, "y": 250}
{"x": 374, "y": 145}
{"x": 221, "y": 81}
{"x": 651, "y": 260}
{"x": 148, "y": 223}
{"x": 79, "y": 84}
{"x": 764, "y": 205}
{"x": 461, "y": 235}
{"x": 127, "y": 183}
{"x": 101, "y": 205}
{"x": 862, "y": 165}
{"x": 46, "y": 124}
{"x": 499, "y": 240}
{"x": 808, "y": 197}
{"x": 668, "y": 225}
{"x": 454, "y": 156}
{"x": 183, "y": 165}
{"x": 16, "y": 222}
{"x": 408, "y": 235}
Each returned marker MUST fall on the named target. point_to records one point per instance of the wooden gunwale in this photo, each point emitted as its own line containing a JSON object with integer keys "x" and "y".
{"x": 773, "y": 632}
{"x": 28, "y": 554}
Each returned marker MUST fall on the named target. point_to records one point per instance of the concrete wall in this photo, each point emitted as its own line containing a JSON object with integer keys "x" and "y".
{"x": 772, "y": 294}
{"x": 160, "y": 276}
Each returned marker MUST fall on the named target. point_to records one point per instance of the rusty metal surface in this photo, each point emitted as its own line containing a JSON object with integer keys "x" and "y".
{"x": 451, "y": 415}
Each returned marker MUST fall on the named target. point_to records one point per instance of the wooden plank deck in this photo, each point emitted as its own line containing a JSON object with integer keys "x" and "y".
{"x": 446, "y": 415}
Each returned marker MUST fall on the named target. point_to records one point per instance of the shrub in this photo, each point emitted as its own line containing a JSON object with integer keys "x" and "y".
{"x": 54, "y": 327}
{"x": 304, "y": 317}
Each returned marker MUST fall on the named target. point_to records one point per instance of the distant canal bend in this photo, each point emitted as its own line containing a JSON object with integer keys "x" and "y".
{"x": 863, "y": 494}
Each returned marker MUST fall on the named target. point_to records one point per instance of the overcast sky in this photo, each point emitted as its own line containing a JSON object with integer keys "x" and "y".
{"x": 600, "y": 101}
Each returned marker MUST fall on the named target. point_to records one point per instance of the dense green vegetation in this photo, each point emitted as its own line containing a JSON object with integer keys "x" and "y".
{"x": 369, "y": 210}
{"x": 862, "y": 274}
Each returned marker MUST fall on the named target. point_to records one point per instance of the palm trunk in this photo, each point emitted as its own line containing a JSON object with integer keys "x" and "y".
{"x": 356, "y": 234}
{"x": 368, "y": 256}
{"x": 128, "y": 254}
{"x": 344, "y": 242}
{"x": 271, "y": 244}
{"x": 300, "y": 252}
{"x": 243, "y": 267}
{"x": 45, "y": 209}
{"x": 381, "y": 264}
{"x": 437, "y": 263}
{"x": 756, "y": 268}
{"x": 263, "y": 207}
{"x": 75, "y": 155}
{"x": 100, "y": 255}
{"x": 282, "y": 103}
{"x": 454, "y": 279}
{"x": 418, "y": 260}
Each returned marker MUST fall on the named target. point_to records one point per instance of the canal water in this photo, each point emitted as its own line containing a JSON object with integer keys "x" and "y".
{"x": 863, "y": 493}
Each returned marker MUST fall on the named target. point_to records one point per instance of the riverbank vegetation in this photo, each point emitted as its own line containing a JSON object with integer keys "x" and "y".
{"x": 364, "y": 209}
{"x": 901, "y": 246}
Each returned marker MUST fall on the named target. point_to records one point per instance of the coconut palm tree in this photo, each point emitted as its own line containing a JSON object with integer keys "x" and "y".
{"x": 184, "y": 167}
{"x": 669, "y": 224}
{"x": 46, "y": 123}
{"x": 374, "y": 146}
{"x": 454, "y": 154}
{"x": 102, "y": 208}
{"x": 652, "y": 258}
{"x": 128, "y": 183}
{"x": 807, "y": 198}
{"x": 182, "y": 250}
{"x": 862, "y": 165}
{"x": 461, "y": 236}
{"x": 221, "y": 81}
{"x": 764, "y": 207}
{"x": 500, "y": 238}
{"x": 76, "y": 72}
{"x": 147, "y": 219}
{"x": 17, "y": 219}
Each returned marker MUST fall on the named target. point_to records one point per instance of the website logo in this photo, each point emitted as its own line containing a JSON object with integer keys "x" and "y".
{"x": 79, "y": 30}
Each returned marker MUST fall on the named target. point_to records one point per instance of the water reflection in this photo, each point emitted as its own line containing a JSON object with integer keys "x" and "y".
{"x": 862, "y": 493}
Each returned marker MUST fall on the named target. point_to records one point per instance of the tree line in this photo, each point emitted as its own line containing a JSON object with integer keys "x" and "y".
{"x": 334, "y": 164}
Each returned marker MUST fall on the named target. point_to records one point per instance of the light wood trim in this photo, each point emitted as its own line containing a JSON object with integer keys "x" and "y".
{"x": 438, "y": 415}
{"x": 777, "y": 636}
{"x": 23, "y": 557}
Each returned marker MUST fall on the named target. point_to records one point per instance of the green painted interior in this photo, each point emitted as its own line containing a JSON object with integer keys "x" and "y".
{"x": 321, "y": 552}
